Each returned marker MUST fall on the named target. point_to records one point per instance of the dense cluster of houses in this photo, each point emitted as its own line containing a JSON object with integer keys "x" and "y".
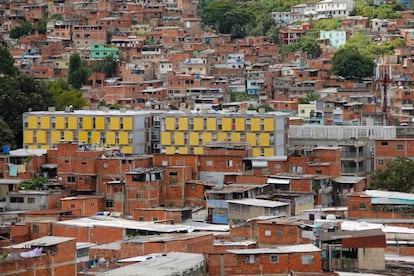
{"x": 182, "y": 181}
{"x": 229, "y": 210}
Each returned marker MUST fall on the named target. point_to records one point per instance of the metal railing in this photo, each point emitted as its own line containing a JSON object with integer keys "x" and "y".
{"x": 342, "y": 132}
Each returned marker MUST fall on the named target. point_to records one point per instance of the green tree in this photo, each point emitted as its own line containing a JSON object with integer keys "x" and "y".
{"x": 79, "y": 77}
{"x": 359, "y": 41}
{"x": 397, "y": 176}
{"x": 7, "y": 63}
{"x": 306, "y": 43}
{"x": 108, "y": 65}
{"x": 18, "y": 94}
{"x": 78, "y": 74}
{"x": 227, "y": 17}
{"x": 273, "y": 34}
{"x": 35, "y": 183}
{"x": 325, "y": 25}
{"x": 260, "y": 27}
{"x": 383, "y": 11}
{"x": 363, "y": 44}
{"x": 310, "y": 97}
{"x": 75, "y": 62}
{"x": 41, "y": 25}
{"x": 350, "y": 63}
{"x": 6, "y": 135}
{"x": 309, "y": 45}
{"x": 25, "y": 29}
{"x": 64, "y": 95}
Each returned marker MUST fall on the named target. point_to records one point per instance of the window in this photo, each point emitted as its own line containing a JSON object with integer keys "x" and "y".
{"x": 245, "y": 208}
{"x": 30, "y": 200}
{"x": 158, "y": 176}
{"x": 400, "y": 147}
{"x": 362, "y": 206}
{"x": 274, "y": 259}
{"x": 380, "y": 162}
{"x": 138, "y": 196}
{"x": 249, "y": 259}
{"x": 141, "y": 218}
{"x": 268, "y": 233}
{"x": 307, "y": 259}
{"x": 71, "y": 179}
{"x": 16, "y": 199}
{"x": 209, "y": 163}
{"x": 109, "y": 203}
{"x": 35, "y": 228}
{"x": 172, "y": 177}
{"x": 229, "y": 163}
{"x": 278, "y": 166}
{"x": 154, "y": 218}
{"x": 72, "y": 206}
{"x": 297, "y": 169}
{"x": 384, "y": 143}
{"x": 139, "y": 177}
{"x": 279, "y": 233}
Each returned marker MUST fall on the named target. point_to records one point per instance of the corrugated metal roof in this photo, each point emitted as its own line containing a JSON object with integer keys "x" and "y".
{"x": 167, "y": 264}
{"x": 44, "y": 241}
{"x": 278, "y": 250}
{"x": 389, "y": 195}
{"x": 278, "y": 181}
{"x": 27, "y": 152}
{"x": 348, "y": 179}
{"x": 105, "y": 221}
{"x": 258, "y": 202}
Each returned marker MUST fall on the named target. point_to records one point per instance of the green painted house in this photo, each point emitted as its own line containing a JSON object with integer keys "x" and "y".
{"x": 100, "y": 51}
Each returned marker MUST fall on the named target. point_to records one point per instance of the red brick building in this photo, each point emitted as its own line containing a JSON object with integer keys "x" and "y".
{"x": 56, "y": 257}
{"x": 166, "y": 215}
{"x": 173, "y": 192}
{"x": 276, "y": 232}
{"x": 105, "y": 229}
{"x": 143, "y": 188}
{"x": 190, "y": 243}
{"x": 374, "y": 204}
{"x": 76, "y": 168}
{"x": 83, "y": 205}
{"x": 24, "y": 163}
{"x": 388, "y": 150}
{"x": 266, "y": 261}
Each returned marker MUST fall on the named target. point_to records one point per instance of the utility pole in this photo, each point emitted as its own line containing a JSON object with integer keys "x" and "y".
{"x": 384, "y": 79}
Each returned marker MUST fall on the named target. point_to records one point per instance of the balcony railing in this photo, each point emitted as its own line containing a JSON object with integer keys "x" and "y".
{"x": 342, "y": 132}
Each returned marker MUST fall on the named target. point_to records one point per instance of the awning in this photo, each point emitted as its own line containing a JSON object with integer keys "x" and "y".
{"x": 49, "y": 166}
{"x": 278, "y": 181}
{"x": 259, "y": 164}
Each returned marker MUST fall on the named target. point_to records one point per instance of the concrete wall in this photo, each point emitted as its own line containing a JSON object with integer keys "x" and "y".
{"x": 371, "y": 258}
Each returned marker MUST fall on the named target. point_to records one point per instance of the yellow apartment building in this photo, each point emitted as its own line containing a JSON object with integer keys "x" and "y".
{"x": 186, "y": 133}
{"x": 128, "y": 130}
